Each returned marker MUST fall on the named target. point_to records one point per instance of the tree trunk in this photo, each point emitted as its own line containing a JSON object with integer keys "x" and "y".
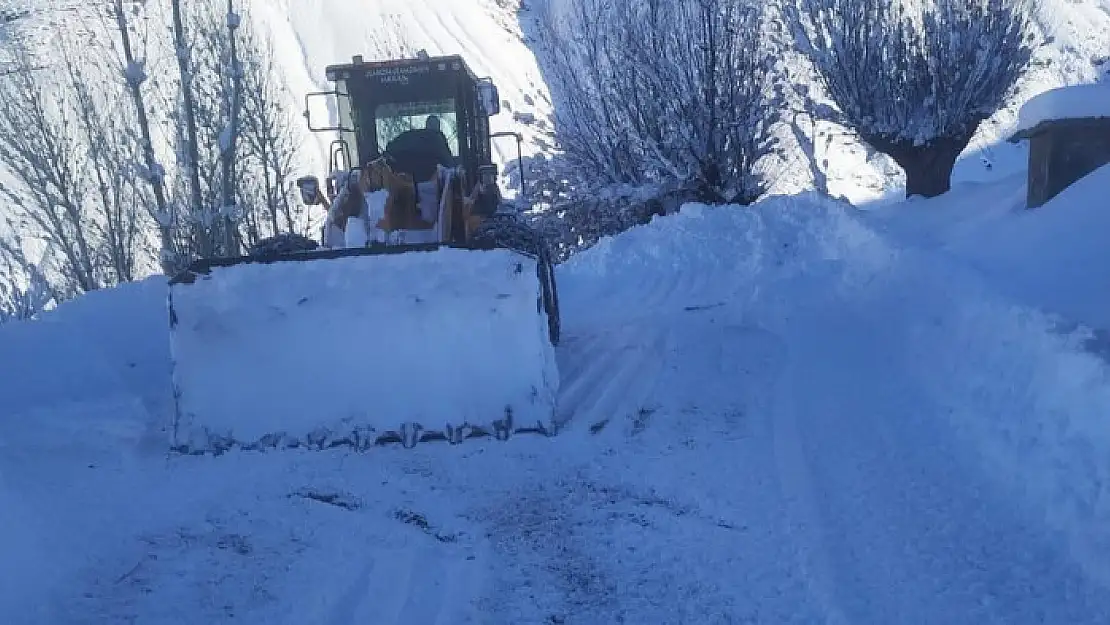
{"x": 155, "y": 174}
{"x": 188, "y": 111}
{"x": 928, "y": 166}
{"x": 227, "y": 191}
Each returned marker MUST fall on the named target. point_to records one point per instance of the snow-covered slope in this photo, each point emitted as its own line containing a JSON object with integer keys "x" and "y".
{"x": 1049, "y": 258}
{"x": 792, "y": 413}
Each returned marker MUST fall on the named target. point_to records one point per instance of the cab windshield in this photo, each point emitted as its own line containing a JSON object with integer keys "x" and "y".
{"x": 394, "y": 118}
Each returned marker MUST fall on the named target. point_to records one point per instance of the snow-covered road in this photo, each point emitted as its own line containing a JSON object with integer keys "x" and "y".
{"x": 760, "y": 430}
{"x": 898, "y": 524}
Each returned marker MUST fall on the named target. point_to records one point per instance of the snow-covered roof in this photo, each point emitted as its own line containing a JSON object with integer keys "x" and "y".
{"x": 1089, "y": 101}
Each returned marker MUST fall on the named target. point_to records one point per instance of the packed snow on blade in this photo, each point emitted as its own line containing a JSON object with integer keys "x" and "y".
{"x": 361, "y": 350}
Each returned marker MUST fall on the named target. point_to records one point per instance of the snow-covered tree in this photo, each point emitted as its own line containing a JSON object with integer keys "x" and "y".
{"x": 664, "y": 91}
{"x": 134, "y": 76}
{"x": 188, "y": 151}
{"x": 233, "y": 125}
{"x": 229, "y": 136}
{"x": 915, "y": 79}
{"x": 270, "y": 136}
{"x": 66, "y": 143}
{"x": 98, "y": 184}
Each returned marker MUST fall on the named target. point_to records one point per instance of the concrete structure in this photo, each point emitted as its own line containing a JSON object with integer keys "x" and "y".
{"x": 1069, "y": 137}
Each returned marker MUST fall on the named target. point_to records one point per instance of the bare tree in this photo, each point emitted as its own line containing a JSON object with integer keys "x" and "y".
{"x": 200, "y": 124}
{"x": 46, "y": 159}
{"x": 24, "y": 289}
{"x": 269, "y": 146}
{"x": 242, "y": 140}
{"x": 915, "y": 81}
{"x": 654, "y": 91}
{"x": 87, "y": 191}
{"x": 82, "y": 138}
{"x": 118, "y": 206}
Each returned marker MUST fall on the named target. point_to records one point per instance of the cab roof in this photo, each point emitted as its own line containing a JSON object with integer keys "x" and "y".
{"x": 453, "y": 63}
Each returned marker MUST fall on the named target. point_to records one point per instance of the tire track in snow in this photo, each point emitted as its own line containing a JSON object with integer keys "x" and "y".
{"x": 611, "y": 366}
{"x": 890, "y": 519}
{"x": 426, "y": 584}
{"x": 793, "y": 474}
{"x": 658, "y": 294}
{"x": 609, "y": 375}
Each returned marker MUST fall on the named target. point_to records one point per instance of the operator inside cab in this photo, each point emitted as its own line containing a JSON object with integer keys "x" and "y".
{"x": 419, "y": 152}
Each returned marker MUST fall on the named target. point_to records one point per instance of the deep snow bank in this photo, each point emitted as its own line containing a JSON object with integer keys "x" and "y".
{"x": 99, "y": 359}
{"x": 83, "y": 393}
{"x": 1053, "y": 257}
{"x": 357, "y": 346}
{"x": 737, "y": 254}
{"x": 1012, "y": 383}
{"x": 1050, "y": 258}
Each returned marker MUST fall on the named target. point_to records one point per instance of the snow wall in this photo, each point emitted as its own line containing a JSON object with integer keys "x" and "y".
{"x": 359, "y": 345}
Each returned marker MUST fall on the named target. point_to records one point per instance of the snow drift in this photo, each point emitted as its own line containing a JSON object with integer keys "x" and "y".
{"x": 1051, "y": 258}
{"x": 349, "y": 349}
{"x": 983, "y": 345}
{"x": 1072, "y": 102}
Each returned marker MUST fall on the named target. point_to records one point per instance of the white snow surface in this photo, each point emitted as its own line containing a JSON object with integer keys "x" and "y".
{"x": 794, "y": 412}
{"x": 1090, "y": 101}
{"x": 361, "y": 343}
{"x": 1045, "y": 259}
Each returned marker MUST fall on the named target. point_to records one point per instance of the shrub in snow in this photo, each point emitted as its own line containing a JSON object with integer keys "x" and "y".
{"x": 654, "y": 91}
{"x": 574, "y": 214}
{"x": 915, "y": 80}
{"x": 576, "y": 224}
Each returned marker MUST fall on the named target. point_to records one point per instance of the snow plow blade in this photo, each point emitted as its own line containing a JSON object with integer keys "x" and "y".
{"x": 360, "y": 348}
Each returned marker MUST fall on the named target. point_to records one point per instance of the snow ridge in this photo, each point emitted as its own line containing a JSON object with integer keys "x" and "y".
{"x": 1016, "y": 385}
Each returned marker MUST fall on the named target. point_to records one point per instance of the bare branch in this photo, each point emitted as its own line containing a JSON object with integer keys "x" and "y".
{"x": 665, "y": 92}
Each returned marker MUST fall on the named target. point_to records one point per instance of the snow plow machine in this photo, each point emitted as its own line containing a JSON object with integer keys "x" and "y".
{"x": 427, "y": 311}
